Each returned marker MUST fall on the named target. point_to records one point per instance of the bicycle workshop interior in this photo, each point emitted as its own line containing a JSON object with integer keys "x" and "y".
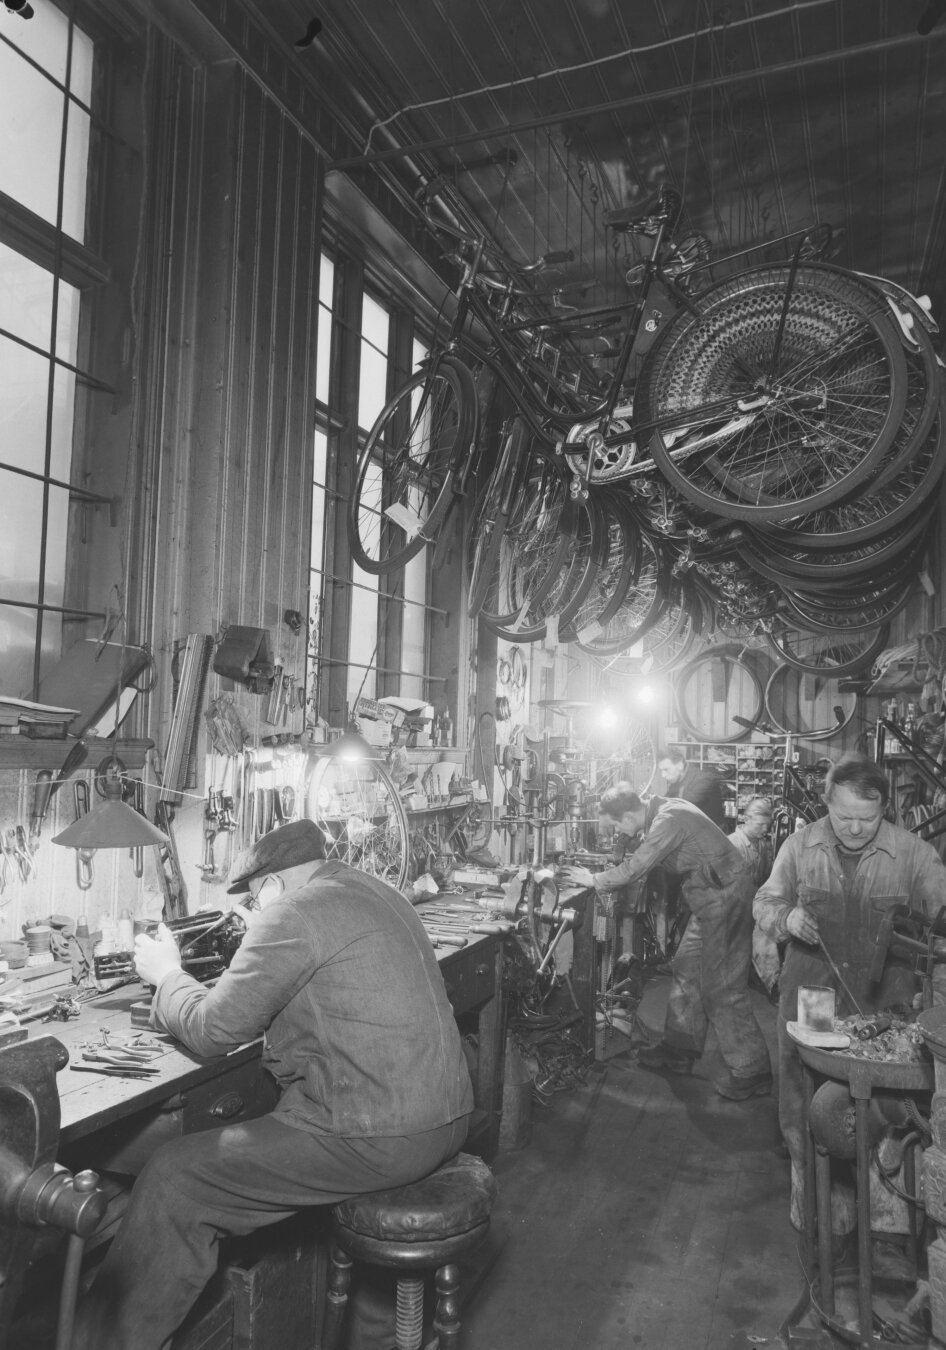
{"x": 420, "y": 416}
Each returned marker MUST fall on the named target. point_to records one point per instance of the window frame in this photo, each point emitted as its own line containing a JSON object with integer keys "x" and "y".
{"x": 332, "y": 587}
{"x": 77, "y": 264}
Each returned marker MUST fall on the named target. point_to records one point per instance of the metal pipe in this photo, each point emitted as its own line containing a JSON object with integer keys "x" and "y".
{"x": 632, "y": 100}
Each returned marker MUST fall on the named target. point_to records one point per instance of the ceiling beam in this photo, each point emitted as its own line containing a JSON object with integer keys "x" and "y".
{"x": 633, "y": 100}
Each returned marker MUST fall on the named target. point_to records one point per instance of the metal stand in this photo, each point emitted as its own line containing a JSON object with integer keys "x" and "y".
{"x": 862, "y": 1077}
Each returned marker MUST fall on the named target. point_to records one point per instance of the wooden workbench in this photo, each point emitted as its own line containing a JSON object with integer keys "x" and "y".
{"x": 116, "y": 1123}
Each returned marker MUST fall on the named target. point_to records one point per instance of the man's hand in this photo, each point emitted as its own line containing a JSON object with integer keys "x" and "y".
{"x": 580, "y": 876}
{"x": 156, "y": 957}
{"x": 802, "y": 925}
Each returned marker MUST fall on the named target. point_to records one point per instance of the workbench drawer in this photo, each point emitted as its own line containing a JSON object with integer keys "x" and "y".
{"x": 241, "y": 1093}
{"x": 470, "y": 978}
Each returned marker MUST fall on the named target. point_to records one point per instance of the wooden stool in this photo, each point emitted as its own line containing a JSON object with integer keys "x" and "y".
{"x": 413, "y": 1229}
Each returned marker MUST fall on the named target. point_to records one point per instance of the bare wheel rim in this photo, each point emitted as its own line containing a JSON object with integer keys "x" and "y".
{"x": 358, "y": 807}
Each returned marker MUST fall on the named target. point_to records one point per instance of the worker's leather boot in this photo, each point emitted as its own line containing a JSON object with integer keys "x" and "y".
{"x": 662, "y": 1056}
{"x": 736, "y": 1089}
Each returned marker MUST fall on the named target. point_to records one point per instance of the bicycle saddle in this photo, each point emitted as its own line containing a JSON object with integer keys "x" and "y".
{"x": 646, "y": 217}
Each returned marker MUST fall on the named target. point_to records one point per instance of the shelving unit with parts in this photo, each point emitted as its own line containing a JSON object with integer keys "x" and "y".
{"x": 717, "y": 756}
{"x": 747, "y": 769}
{"x": 759, "y": 773}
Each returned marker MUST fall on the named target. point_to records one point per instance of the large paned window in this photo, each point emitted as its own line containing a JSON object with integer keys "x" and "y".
{"x": 387, "y": 614}
{"x": 49, "y": 149}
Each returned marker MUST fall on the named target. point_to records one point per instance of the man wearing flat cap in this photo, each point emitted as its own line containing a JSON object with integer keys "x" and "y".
{"x": 338, "y": 976}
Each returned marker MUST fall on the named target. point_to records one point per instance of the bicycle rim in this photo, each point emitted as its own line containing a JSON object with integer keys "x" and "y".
{"x": 880, "y": 507}
{"x": 622, "y": 548}
{"x": 583, "y": 528}
{"x": 357, "y": 806}
{"x": 849, "y": 614}
{"x": 644, "y": 602}
{"x": 491, "y": 515}
{"x": 817, "y": 425}
{"x": 531, "y": 548}
{"x": 828, "y": 653}
{"x": 405, "y": 473}
{"x": 789, "y": 566}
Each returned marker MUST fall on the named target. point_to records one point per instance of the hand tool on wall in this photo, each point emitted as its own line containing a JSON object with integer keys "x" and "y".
{"x": 169, "y": 868}
{"x": 22, "y": 854}
{"x": 274, "y": 705}
{"x": 42, "y": 791}
{"x": 137, "y": 854}
{"x": 84, "y": 856}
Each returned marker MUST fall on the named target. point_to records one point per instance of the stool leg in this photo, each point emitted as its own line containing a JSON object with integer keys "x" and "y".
{"x": 447, "y": 1315}
{"x": 410, "y": 1313}
{"x": 339, "y": 1278}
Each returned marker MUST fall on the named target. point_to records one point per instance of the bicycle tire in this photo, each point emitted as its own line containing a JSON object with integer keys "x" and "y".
{"x": 616, "y": 571}
{"x": 784, "y": 676}
{"x": 406, "y": 471}
{"x": 694, "y": 670}
{"x": 491, "y": 514}
{"x": 854, "y": 615}
{"x": 638, "y": 612}
{"x": 788, "y": 566}
{"x": 845, "y": 359}
{"x": 531, "y": 548}
{"x": 584, "y": 527}
{"x": 881, "y": 506}
{"x": 829, "y": 653}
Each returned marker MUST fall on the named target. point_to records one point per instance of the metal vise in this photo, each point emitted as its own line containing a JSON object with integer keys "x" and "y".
{"x": 208, "y": 943}
{"x": 36, "y": 1194}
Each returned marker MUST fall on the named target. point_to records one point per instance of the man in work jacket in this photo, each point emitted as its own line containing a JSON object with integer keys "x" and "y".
{"x": 711, "y": 965}
{"x": 338, "y": 974}
{"x": 830, "y": 886}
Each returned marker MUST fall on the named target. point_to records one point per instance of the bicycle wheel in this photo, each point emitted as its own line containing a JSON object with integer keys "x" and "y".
{"x": 805, "y": 707}
{"x": 559, "y": 600}
{"x": 828, "y": 653}
{"x": 615, "y": 573}
{"x": 881, "y": 506}
{"x": 850, "y": 613}
{"x": 492, "y": 512}
{"x": 809, "y": 394}
{"x": 405, "y": 473}
{"x": 534, "y": 546}
{"x": 788, "y": 566}
{"x": 358, "y": 808}
{"x": 639, "y": 610}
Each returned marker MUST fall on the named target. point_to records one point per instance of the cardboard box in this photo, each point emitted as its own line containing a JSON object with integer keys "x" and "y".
{"x": 375, "y": 733}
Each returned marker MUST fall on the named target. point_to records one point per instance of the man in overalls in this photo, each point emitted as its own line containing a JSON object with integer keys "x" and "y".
{"x": 830, "y": 886}
{"x": 711, "y": 965}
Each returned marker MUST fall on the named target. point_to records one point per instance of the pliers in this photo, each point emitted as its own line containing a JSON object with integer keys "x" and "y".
{"x": 121, "y": 1059}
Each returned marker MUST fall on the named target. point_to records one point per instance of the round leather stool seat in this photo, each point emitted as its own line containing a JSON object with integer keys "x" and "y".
{"x": 425, "y": 1223}
{"x": 424, "y": 1226}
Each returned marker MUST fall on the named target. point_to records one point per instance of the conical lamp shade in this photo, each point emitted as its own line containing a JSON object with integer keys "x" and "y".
{"x": 111, "y": 824}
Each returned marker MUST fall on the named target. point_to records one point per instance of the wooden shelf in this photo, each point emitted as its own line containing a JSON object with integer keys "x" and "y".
{"x": 22, "y": 752}
{"x": 440, "y": 806}
{"x": 436, "y": 754}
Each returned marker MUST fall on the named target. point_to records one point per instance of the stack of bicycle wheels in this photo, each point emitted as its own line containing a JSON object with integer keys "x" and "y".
{"x": 771, "y": 479}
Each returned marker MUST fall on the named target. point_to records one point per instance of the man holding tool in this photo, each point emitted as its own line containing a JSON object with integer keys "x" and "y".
{"x": 830, "y": 886}
{"x": 338, "y": 976}
{"x": 711, "y": 965}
